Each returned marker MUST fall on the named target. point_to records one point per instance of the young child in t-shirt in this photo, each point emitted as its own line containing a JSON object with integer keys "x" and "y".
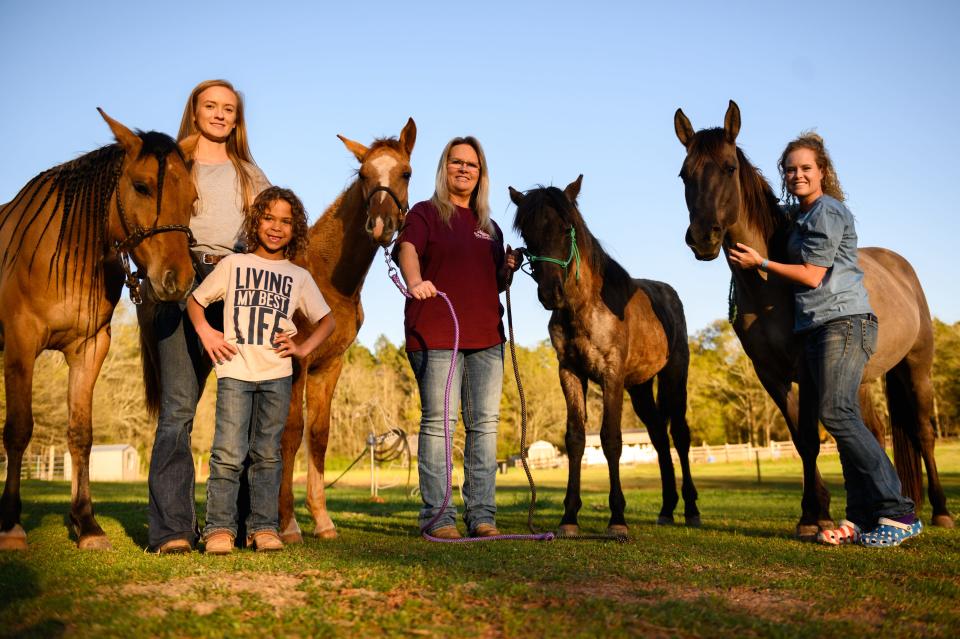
{"x": 261, "y": 290}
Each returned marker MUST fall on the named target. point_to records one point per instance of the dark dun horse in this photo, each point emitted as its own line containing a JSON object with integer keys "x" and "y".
{"x": 616, "y": 331}
{"x": 730, "y": 201}
{"x": 342, "y": 246}
{"x": 66, "y": 239}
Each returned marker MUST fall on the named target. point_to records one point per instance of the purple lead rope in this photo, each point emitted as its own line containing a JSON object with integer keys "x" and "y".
{"x": 392, "y": 273}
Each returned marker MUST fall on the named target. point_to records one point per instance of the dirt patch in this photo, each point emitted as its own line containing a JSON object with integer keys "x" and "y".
{"x": 775, "y": 605}
{"x": 205, "y": 594}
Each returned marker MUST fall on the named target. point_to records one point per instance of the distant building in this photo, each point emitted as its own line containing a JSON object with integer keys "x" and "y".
{"x": 637, "y": 449}
{"x": 109, "y": 462}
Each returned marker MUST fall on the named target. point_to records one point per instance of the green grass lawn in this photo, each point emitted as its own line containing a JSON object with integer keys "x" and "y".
{"x": 741, "y": 574}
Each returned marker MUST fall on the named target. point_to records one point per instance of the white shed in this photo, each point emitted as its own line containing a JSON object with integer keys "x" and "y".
{"x": 109, "y": 462}
{"x": 637, "y": 449}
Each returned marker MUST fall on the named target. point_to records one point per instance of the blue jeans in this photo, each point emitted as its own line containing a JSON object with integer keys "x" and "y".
{"x": 836, "y": 354}
{"x": 250, "y": 421}
{"x": 477, "y": 385}
{"x": 183, "y": 370}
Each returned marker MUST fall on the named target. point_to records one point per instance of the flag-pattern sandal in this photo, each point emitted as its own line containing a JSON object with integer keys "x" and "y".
{"x": 889, "y": 533}
{"x": 846, "y": 533}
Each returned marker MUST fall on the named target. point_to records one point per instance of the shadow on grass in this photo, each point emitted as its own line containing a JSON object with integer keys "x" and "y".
{"x": 18, "y": 581}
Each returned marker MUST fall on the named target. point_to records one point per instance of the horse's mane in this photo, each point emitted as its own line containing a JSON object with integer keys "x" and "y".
{"x": 531, "y": 221}
{"x": 759, "y": 201}
{"x": 81, "y": 191}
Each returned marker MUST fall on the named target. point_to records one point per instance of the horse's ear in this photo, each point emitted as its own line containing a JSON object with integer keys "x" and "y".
{"x": 731, "y": 122}
{"x": 358, "y": 150}
{"x": 573, "y": 189}
{"x": 681, "y": 124}
{"x": 408, "y": 136}
{"x": 129, "y": 140}
{"x": 515, "y": 195}
{"x": 188, "y": 145}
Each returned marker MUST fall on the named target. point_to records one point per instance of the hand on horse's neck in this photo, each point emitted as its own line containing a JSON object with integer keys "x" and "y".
{"x": 210, "y": 152}
{"x": 750, "y": 235}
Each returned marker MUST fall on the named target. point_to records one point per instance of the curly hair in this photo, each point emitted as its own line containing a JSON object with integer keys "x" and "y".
{"x": 251, "y": 224}
{"x": 813, "y": 142}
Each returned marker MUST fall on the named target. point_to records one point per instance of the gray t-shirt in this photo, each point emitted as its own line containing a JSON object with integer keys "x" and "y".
{"x": 218, "y": 215}
{"x": 825, "y": 236}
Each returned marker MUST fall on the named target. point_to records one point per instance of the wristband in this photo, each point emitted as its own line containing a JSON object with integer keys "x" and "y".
{"x": 763, "y": 265}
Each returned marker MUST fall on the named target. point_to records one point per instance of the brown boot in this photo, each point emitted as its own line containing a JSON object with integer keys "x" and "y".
{"x": 265, "y": 541}
{"x": 485, "y": 530}
{"x": 174, "y": 547}
{"x": 219, "y": 543}
{"x": 445, "y": 532}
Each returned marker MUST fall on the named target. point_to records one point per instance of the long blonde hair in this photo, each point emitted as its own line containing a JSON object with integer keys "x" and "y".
{"x": 813, "y": 142}
{"x": 479, "y": 199}
{"x": 238, "y": 149}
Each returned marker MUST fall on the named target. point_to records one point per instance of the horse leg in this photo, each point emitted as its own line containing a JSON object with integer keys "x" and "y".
{"x": 574, "y": 389}
{"x": 871, "y": 418}
{"x": 290, "y": 444}
{"x": 800, "y": 413}
{"x": 910, "y": 399}
{"x": 84, "y": 360}
{"x": 672, "y": 396}
{"x": 320, "y": 387}
{"x": 19, "y": 359}
{"x": 611, "y": 440}
{"x": 641, "y": 396}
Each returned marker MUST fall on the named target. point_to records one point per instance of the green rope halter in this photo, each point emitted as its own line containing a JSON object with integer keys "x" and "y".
{"x": 574, "y": 256}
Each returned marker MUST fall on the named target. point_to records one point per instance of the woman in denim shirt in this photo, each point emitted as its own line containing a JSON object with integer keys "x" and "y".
{"x": 839, "y": 330}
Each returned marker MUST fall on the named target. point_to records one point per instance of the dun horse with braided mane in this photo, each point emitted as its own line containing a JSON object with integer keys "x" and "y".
{"x": 343, "y": 243}
{"x": 619, "y": 332}
{"x": 66, "y": 240}
{"x": 729, "y": 202}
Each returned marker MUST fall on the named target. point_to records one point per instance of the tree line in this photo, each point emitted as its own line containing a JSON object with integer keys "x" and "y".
{"x": 377, "y": 391}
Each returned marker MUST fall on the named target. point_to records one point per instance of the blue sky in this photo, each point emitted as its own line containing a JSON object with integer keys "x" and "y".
{"x": 552, "y": 90}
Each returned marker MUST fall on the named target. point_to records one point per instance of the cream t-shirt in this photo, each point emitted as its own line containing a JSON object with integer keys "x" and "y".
{"x": 260, "y": 297}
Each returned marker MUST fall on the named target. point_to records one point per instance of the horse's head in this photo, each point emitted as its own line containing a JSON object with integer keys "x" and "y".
{"x": 384, "y": 176}
{"x": 154, "y": 199}
{"x": 545, "y": 219}
{"x": 711, "y": 181}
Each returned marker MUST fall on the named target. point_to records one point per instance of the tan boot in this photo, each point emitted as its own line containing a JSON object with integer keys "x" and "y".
{"x": 445, "y": 532}
{"x": 485, "y": 530}
{"x": 265, "y": 541}
{"x": 219, "y": 543}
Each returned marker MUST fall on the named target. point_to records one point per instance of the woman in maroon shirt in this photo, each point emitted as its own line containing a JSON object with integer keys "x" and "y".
{"x": 450, "y": 244}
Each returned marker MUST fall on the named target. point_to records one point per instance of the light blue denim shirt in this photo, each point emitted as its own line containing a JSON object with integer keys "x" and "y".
{"x": 825, "y": 236}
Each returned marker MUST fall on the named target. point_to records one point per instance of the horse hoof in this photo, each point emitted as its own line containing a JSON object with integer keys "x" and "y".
{"x": 568, "y": 530}
{"x": 665, "y": 520}
{"x": 291, "y": 538}
{"x": 618, "y": 530}
{"x": 291, "y": 534}
{"x": 943, "y": 521}
{"x": 95, "y": 542}
{"x": 693, "y": 521}
{"x": 13, "y": 539}
{"x": 329, "y": 533}
{"x": 807, "y": 532}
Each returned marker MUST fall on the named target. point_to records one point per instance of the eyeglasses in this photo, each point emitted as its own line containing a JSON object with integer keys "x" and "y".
{"x": 463, "y": 164}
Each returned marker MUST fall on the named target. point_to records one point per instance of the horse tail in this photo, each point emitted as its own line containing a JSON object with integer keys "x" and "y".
{"x": 906, "y": 444}
{"x": 149, "y": 354}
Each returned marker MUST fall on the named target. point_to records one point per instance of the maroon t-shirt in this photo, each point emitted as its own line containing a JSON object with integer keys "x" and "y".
{"x": 461, "y": 261}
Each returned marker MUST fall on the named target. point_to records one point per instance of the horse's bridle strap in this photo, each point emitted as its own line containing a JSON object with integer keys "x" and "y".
{"x": 564, "y": 264}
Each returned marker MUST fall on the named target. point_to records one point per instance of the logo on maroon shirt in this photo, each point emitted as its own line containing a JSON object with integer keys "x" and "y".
{"x": 483, "y": 235}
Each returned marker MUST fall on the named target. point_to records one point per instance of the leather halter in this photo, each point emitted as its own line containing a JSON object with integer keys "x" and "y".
{"x": 402, "y": 207}
{"x": 134, "y": 237}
